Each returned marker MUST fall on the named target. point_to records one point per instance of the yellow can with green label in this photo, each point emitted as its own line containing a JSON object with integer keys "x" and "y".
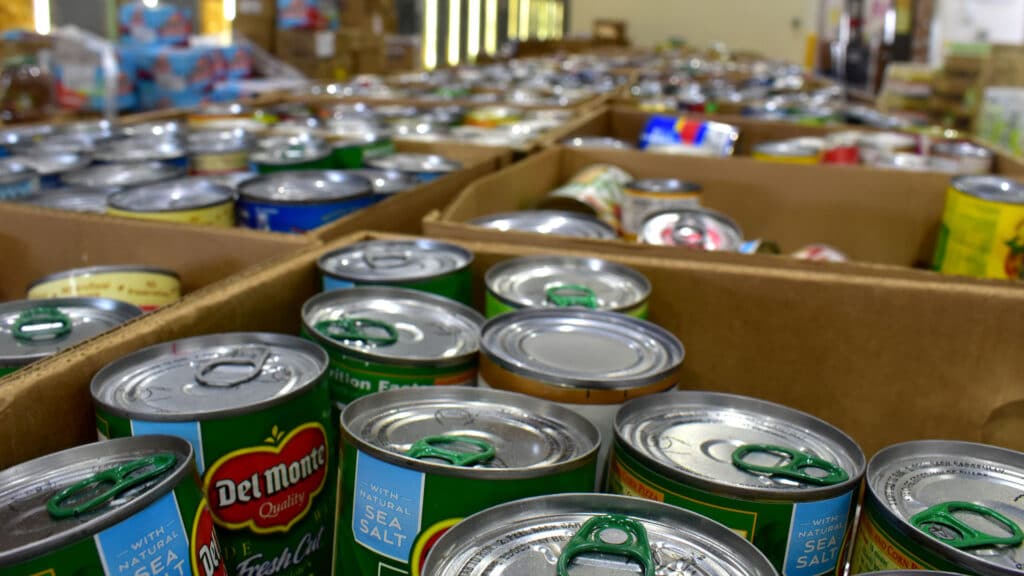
{"x": 982, "y": 232}
{"x": 194, "y": 200}
{"x": 145, "y": 287}
{"x": 787, "y": 152}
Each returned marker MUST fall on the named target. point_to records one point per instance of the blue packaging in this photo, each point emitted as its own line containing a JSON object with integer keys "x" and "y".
{"x": 301, "y": 200}
{"x": 176, "y": 69}
{"x": 706, "y": 138}
{"x": 239, "y": 62}
{"x": 153, "y": 97}
{"x": 164, "y": 24}
{"x": 308, "y": 15}
{"x": 295, "y": 218}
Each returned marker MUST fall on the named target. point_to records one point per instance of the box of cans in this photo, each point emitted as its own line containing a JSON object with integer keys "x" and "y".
{"x": 158, "y": 24}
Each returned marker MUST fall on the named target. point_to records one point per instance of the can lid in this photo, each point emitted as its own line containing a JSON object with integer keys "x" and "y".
{"x": 14, "y": 135}
{"x": 594, "y": 534}
{"x": 387, "y": 181}
{"x": 47, "y": 162}
{"x": 154, "y": 128}
{"x": 561, "y": 281}
{"x": 13, "y": 168}
{"x": 209, "y": 376}
{"x": 396, "y": 325}
{"x": 991, "y": 187}
{"x": 743, "y": 445}
{"x": 213, "y": 141}
{"x": 597, "y": 142}
{"x": 786, "y": 148}
{"x": 696, "y": 228}
{"x": 415, "y": 163}
{"x": 71, "y": 495}
{"x": 553, "y": 222}
{"x": 286, "y": 150}
{"x": 172, "y": 196}
{"x": 139, "y": 149}
{"x": 34, "y": 329}
{"x": 960, "y": 497}
{"x": 108, "y": 269}
{"x": 121, "y": 175}
{"x": 305, "y": 187}
{"x": 465, "y": 431}
{"x": 94, "y": 129}
{"x": 394, "y": 260}
{"x": 73, "y": 199}
{"x": 961, "y": 149}
{"x": 669, "y": 185}
{"x": 578, "y": 348}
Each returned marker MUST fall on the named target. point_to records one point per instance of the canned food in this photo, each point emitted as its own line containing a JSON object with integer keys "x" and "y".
{"x": 416, "y": 461}
{"x": 565, "y": 281}
{"x": 759, "y": 246}
{"x": 554, "y": 222}
{"x": 17, "y": 180}
{"x": 969, "y": 157}
{"x": 154, "y": 128}
{"x": 598, "y": 142}
{"x": 682, "y": 135}
{"x": 590, "y": 532}
{"x": 50, "y": 165}
{"x": 875, "y": 145}
{"x": 380, "y": 338}
{"x": 289, "y": 153}
{"x": 31, "y": 330}
{"x": 255, "y": 409}
{"x": 782, "y": 479}
{"x": 216, "y": 113}
{"x": 387, "y": 182}
{"x": 116, "y": 176}
{"x": 696, "y": 228}
{"x": 192, "y": 200}
{"x": 785, "y": 152}
{"x": 982, "y": 231}
{"x": 841, "y": 148}
{"x": 75, "y": 199}
{"x": 13, "y": 136}
{"x": 58, "y": 143}
{"x": 820, "y": 253}
{"x": 166, "y": 149}
{"x": 647, "y": 196}
{"x": 300, "y": 201}
{"x": 94, "y": 130}
{"x": 218, "y": 151}
{"x": 915, "y": 163}
{"x": 909, "y": 573}
{"x": 491, "y": 116}
{"x": 417, "y": 128}
{"x": 107, "y": 508}
{"x": 943, "y": 505}
{"x": 587, "y": 360}
{"x": 426, "y": 167}
{"x": 349, "y": 153}
{"x": 142, "y": 286}
{"x": 427, "y": 265}
{"x": 596, "y": 190}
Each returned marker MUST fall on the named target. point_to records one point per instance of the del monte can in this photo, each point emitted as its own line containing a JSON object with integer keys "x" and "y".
{"x": 256, "y": 410}
{"x": 415, "y": 461}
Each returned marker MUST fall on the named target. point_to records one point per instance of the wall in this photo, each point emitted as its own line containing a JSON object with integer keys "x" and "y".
{"x": 968, "y": 21}
{"x": 765, "y": 26}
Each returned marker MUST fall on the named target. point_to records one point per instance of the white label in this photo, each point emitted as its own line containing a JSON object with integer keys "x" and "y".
{"x": 377, "y": 23}
{"x": 251, "y": 7}
{"x": 324, "y": 41}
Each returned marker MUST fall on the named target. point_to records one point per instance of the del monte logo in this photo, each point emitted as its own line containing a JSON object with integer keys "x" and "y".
{"x": 269, "y": 488}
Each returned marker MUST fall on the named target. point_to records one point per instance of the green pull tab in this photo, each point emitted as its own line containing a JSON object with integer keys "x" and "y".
{"x": 428, "y": 448}
{"x": 793, "y": 468}
{"x": 119, "y": 478}
{"x": 571, "y": 295}
{"x": 355, "y": 329}
{"x": 940, "y": 518}
{"x": 41, "y": 323}
{"x": 610, "y": 534}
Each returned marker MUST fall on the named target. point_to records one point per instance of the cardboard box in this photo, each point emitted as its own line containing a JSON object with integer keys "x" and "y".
{"x": 883, "y": 360}
{"x": 371, "y": 58}
{"x": 299, "y": 46}
{"x": 255, "y": 19}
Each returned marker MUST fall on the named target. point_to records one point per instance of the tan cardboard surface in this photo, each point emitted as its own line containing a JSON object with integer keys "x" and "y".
{"x": 886, "y": 360}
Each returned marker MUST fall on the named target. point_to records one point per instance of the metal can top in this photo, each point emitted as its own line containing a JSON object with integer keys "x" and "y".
{"x": 915, "y": 162}
{"x": 154, "y": 128}
{"x": 39, "y": 496}
{"x": 394, "y": 325}
{"x": 15, "y": 135}
{"x": 559, "y": 281}
{"x": 692, "y": 228}
{"x": 463, "y": 431}
{"x": 94, "y": 129}
{"x": 209, "y": 377}
{"x": 786, "y": 149}
{"x": 740, "y": 445}
{"x": 305, "y": 187}
{"x": 887, "y": 141}
{"x": 387, "y": 181}
{"x": 34, "y": 329}
{"x": 929, "y": 487}
{"x": 415, "y": 163}
{"x": 74, "y": 199}
{"x": 121, "y": 175}
{"x": 287, "y": 150}
{"x": 555, "y": 222}
{"x": 992, "y": 188}
{"x": 663, "y": 186}
{"x": 97, "y": 270}
{"x": 14, "y": 169}
{"x": 961, "y": 149}
{"x": 581, "y": 349}
{"x": 218, "y": 141}
{"x": 598, "y": 142}
{"x": 529, "y": 536}
{"x": 384, "y": 261}
{"x": 47, "y": 162}
{"x": 172, "y": 196}
{"x": 57, "y": 143}
{"x": 139, "y": 149}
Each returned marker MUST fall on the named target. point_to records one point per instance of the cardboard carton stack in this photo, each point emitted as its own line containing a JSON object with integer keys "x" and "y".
{"x": 255, "y": 20}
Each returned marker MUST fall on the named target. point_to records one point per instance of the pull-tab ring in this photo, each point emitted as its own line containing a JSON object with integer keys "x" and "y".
{"x": 964, "y": 535}
{"x": 41, "y": 323}
{"x": 355, "y": 329}
{"x": 429, "y": 448}
{"x": 205, "y": 373}
{"x": 794, "y": 467}
{"x": 689, "y": 234}
{"x": 571, "y": 295}
{"x": 384, "y": 259}
{"x": 120, "y": 478}
{"x": 610, "y": 534}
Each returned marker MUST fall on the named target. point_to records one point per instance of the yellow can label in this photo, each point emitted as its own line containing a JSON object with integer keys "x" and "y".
{"x": 220, "y": 163}
{"x": 873, "y": 552}
{"x": 980, "y": 238}
{"x": 222, "y": 215}
{"x": 146, "y": 290}
{"x": 804, "y": 160}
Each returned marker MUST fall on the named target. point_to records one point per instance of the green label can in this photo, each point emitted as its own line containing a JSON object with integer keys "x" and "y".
{"x": 416, "y": 461}
{"x": 256, "y": 409}
{"x": 349, "y": 154}
{"x": 379, "y": 338}
{"x": 747, "y": 464}
{"x": 288, "y": 153}
{"x": 150, "y": 517}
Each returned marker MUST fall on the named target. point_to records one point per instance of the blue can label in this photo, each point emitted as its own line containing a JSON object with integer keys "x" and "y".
{"x": 388, "y": 505}
{"x": 816, "y": 536}
{"x": 296, "y": 218}
{"x": 155, "y": 540}
{"x": 19, "y": 188}
{"x": 331, "y": 283}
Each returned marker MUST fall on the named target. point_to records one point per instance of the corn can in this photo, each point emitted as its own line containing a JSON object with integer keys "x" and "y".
{"x": 649, "y": 195}
{"x": 142, "y": 286}
{"x": 785, "y": 152}
{"x": 193, "y": 200}
{"x": 982, "y": 231}
{"x": 256, "y": 411}
{"x": 416, "y": 461}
